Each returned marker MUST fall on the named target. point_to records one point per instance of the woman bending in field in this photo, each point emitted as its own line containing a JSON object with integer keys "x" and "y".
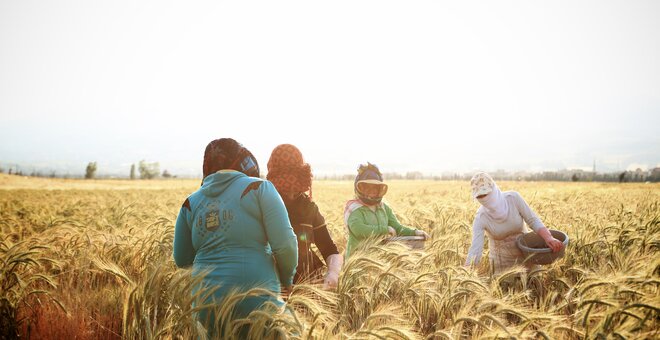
{"x": 292, "y": 178}
{"x": 367, "y": 214}
{"x": 229, "y": 231}
{"x": 502, "y": 216}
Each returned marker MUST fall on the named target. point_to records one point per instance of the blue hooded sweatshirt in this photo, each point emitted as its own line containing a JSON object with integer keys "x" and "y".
{"x": 237, "y": 228}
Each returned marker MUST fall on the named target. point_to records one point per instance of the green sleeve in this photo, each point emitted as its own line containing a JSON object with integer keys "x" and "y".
{"x": 394, "y": 223}
{"x": 358, "y": 227}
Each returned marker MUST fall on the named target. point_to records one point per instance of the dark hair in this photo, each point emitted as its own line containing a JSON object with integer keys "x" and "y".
{"x": 226, "y": 153}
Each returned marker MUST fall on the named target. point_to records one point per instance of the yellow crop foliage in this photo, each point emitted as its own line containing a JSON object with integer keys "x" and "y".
{"x": 93, "y": 259}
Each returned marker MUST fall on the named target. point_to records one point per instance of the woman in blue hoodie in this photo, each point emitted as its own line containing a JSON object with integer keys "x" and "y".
{"x": 235, "y": 231}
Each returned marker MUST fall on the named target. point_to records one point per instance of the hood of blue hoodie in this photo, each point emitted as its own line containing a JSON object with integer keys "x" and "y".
{"x": 215, "y": 184}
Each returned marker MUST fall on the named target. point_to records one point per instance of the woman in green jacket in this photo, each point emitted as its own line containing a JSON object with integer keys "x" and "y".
{"x": 367, "y": 215}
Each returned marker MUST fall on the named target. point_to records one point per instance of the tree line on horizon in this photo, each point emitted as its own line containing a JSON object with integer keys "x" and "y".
{"x": 146, "y": 170}
{"x": 151, "y": 170}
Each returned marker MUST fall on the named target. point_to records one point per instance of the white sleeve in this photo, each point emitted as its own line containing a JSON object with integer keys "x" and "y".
{"x": 530, "y": 217}
{"x": 477, "y": 247}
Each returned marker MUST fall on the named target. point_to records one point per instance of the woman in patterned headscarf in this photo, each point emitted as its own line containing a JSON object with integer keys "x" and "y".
{"x": 292, "y": 178}
{"x": 502, "y": 216}
{"x": 230, "y": 230}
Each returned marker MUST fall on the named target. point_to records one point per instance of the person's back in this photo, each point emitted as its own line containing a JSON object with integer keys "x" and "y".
{"x": 310, "y": 227}
{"x": 292, "y": 177}
{"x": 229, "y": 231}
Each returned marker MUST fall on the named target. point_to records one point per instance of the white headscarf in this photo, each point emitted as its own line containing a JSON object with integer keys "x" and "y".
{"x": 494, "y": 203}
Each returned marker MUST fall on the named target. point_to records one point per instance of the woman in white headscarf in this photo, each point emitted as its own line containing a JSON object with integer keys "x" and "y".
{"x": 502, "y": 216}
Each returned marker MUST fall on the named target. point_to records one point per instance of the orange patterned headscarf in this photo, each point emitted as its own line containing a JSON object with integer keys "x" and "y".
{"x": 288, "y": 171}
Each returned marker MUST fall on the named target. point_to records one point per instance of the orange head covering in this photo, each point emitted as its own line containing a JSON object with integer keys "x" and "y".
{"x": 288, "y": 171}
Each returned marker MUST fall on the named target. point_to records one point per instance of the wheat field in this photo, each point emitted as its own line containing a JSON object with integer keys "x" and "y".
{"x": 93, "y": 259}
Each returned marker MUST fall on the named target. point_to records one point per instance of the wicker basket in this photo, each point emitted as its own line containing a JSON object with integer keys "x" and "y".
{"x": 535, "y": 249}
{"x": 414, "y": 242}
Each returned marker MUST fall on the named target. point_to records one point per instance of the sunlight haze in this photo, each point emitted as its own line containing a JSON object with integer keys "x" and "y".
{"x": 428, "y": 86}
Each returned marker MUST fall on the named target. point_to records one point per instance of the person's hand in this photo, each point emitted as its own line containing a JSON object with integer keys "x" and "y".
{"x": 330, "y": 280}
{"x": 391, "y": 231}
{"x": 422, "y": 233}
{"x": 554, "y": 244}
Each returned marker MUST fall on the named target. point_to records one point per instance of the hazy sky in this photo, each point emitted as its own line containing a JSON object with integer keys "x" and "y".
{"x": 410, "y": 85}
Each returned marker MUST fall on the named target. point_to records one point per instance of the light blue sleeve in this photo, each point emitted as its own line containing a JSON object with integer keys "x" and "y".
{"x": 279, "y": 232}
{"x": 530, "y": 217}
{"x": 184, "y": 253}
{"x": 477, "y": 246}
